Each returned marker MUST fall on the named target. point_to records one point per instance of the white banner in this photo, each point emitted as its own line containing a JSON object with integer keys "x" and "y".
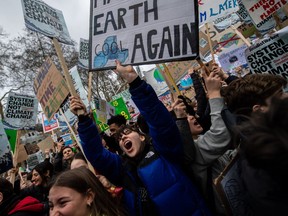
{"x": 83, "y": 53}
{"x": 261, "y": 10}
{"x": 46, "y": 20}
{"x": 21, "y": 111}
{"x": 137, "y": 32}
{"x": 209, "y": 10}
{"x": 270, "y": 55}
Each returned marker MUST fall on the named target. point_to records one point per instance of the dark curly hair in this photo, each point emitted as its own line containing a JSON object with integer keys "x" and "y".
{"x": 243, "y": 93}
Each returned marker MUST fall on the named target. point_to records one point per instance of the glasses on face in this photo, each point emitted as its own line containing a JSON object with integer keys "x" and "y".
{"x": 126, "y": 131}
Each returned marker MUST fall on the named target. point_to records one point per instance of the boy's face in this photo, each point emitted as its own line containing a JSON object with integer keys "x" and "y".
{"x": 67, "y": 153}
{"x": 113, "y": 129}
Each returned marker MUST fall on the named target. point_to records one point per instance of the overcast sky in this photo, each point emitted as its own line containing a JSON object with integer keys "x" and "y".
{"x": 76, "y": 15}
{"x": 75, "y": 12}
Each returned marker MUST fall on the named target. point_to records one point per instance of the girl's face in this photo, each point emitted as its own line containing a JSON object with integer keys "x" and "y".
{"x": 36, "y": 178}
{"x": 65, "y": 201}
{"x": 195, "y": 127}
{"x": 131, "y": 142}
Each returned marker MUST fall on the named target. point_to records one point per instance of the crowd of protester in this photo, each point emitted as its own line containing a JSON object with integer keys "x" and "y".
{"x": 166, "y": 163}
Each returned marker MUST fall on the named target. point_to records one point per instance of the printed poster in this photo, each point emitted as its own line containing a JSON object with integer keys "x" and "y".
{"x": 260, "y": 10}
{"x": 126, "y": 31}
{"x": 263, "y": 27}
{"x": 83, "y": 53}
{"x": 46, "y": 20}
{"x": 270, "y": 55}
{"x": 49, "y": 125}
{"x": 21, "y": 111}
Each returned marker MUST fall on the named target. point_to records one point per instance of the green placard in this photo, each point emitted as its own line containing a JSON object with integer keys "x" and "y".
{"x": 12, "y": 137}
{"x": 121, "y": 108}
{"x": 101, "y": 125}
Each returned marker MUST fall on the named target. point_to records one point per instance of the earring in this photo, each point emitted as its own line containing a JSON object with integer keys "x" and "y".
{"x": 89, "y": 204}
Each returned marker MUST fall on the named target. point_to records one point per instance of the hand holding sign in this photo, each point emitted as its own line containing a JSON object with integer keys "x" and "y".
{"x": 76, "y": 104}
{"x": 126, "y": 72}
{"x": 213, "y": 84}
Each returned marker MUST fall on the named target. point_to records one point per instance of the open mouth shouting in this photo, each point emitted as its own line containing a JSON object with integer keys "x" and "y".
{"x": 127, "y": 145}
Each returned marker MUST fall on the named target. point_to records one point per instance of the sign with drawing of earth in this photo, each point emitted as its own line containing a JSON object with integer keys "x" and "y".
{"x": 229, "y": 40}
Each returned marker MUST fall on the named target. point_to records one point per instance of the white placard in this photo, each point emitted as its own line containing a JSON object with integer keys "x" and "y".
{"x": 142, "y": 32}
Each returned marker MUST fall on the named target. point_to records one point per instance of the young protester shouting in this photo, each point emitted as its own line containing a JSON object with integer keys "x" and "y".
{"x": 150, "y": 172}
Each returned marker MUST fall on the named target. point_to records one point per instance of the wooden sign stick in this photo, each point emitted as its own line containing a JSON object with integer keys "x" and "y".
{"x": 67, "y": 75}
{"x": 170, "y": 78}
{"x": 165, "y": 78}
{"x": 210, "y": 42}
{"x": 78, "y": 143}
{"x": 241, "y": 36}
{"x": 90, "y": 86}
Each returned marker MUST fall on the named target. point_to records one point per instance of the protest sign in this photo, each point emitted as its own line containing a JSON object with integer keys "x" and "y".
{"x": 226, "y": 39}
{"x": 110, "y": 111}
{"x": 121, "y": 108}
{"x": 125, "y": 94}
{"x": 50, "y": 88}
{"x": 211, "y": 10}
{"x": 263, "y": 27}
{"x": 281, "y": 17}
{"x": 233, "y": 59}
{"x": 156, "y": 80}
{"x": 260, "y": 10}
{"x": 179, "y": 69}
{"x": 49, "y": 125}
{"x": 132, "y": 109}
{"x": 47, "y": 143}
{"x": 100, "y": 107}
{"x": 247, "y": 29}
{"x": 6, "y": 161}
{"x": 21, "y": 111}
{"x": 22, "y": 153}
{"x": 12, "y": 138}
{"x": 137, "y": 32}
{"x": 46, "y": 20}
{"x": 231, "y": 189}
{"x": 83, "y": 53}
{"x": 67, "y": 139}
{"x": 34, "y": 159}
{"x": 270, "y": 55}
{"x": 225, "y": 22}
{"x": 186, "y": 82}
{"x": 204, "y": 48}
{"x": 71, "y": 118}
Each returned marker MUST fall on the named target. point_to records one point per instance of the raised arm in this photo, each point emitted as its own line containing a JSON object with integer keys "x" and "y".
{"x": 214, "y": 142}
{"x": 107, "y": 163}
{"x": 162, "y": 127}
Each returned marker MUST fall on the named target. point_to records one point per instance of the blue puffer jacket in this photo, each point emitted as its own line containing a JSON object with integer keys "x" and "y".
{"x": 170, "y": 190}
